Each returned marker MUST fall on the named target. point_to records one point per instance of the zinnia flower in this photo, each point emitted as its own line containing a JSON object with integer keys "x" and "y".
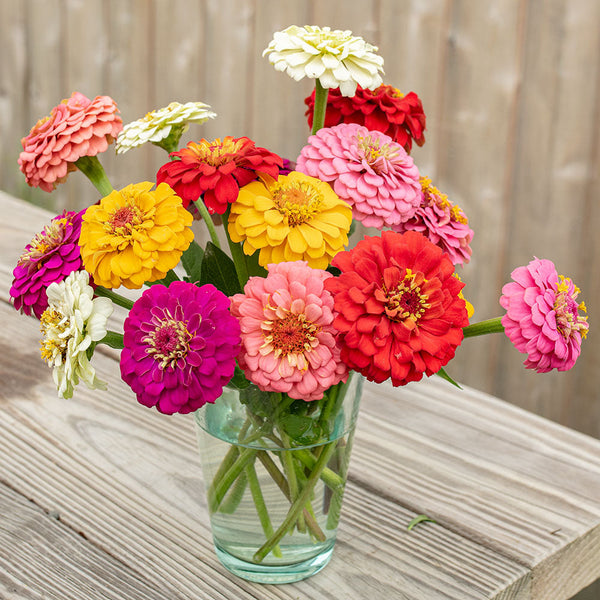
{"x": 288, "y": 338}
{"x": 383, "y": 109}
{"x": 368, "y": 169}
{"x": 134, "y": 235}
{"x": 295, "y": 217}
{"x": 163, "y": 125}
{"x": 542, "y": 316}
{"x": 443, "y": 222}
{"x": 77, "y": 127}
{"x": 336, "y": 58}
{"x": 180, "y": 345}
{"x": 399, "y": 309}
{"x": 72, "y": 321}
{"x": 48, "y": 258}
{"x": 216, "y": 170}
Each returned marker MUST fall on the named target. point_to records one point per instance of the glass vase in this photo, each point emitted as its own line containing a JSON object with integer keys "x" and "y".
{"x": 275, "y": 471}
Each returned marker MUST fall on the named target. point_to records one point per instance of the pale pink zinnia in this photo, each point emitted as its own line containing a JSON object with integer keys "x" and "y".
{"x": 289, "y": 344}
{"x": 443, "y": 222}
{"x": 542, "y": 316}
{"x": 77, "y": 127}
{"x": 367, "y": 169}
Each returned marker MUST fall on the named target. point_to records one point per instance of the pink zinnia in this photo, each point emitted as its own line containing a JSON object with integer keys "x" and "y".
{"x": 289, "y": 344}
{"x": 180, "y": 345}
{"x": 542, "y": 316}
{"x": 49, "y": 258}
{"x": 444, "y": 223}
{"x": 367, "y": 169}
{"x": 77, "y": 127}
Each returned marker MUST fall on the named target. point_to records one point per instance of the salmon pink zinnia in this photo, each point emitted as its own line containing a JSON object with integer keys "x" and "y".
{"x": 77, "y": 127}
{"x": 400, "y": 310}
{"x": 289, "y": 344}
{"x": 542, "y": 316}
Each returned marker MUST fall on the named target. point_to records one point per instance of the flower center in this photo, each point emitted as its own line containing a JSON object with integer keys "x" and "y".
{"x": 376, "y": 153}
{"x": 169, "y": 342}
{"x": 54, "y": 343}
{"x": 406, "y": 301}
{"x": 389, "y": 90}
{"x": 566, "y": 310}
{"x": 124, "y": 220}
{"x": 216, "y": 153}
{"x": 293, "y": 334}
{"x": 51, "y": 237}
{"x": 299, "y": 201}
{"x": 431, "y": 196}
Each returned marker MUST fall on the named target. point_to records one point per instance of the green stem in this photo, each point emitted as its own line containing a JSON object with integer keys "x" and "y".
{"x": 290, "y": 470}
{"x": 329, "y": 477}
{"x": 116, "y": 298}
{"x": 261, "y": 507}
{"x": 490, "y": 326}
{"x": 199, "y": 204}
{"x": 219, "y": 487}
{"x": 237, "y": 254}
{"x": 113, "y": 339}
{"x": 320, "y": 109}
{"x": 90, "y": 166}
{"x": 298, "y": 505}
{"x": 235, "y": 495}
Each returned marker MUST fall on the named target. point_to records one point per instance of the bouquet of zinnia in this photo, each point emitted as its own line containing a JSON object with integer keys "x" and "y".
{"x": 285, "y": 314}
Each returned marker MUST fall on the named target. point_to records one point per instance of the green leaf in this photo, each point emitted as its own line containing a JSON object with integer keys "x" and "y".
{"x": 254, "y": 269}
{"x": 166, "y": 281}
{"x": 419, "y": 519}
{"x": 218, "y": 269}
{"x": 295, "y": 425}
{"x": 239, "y": 380}
{"x": 442, "y": 373}
{"x": 191, "y": 260}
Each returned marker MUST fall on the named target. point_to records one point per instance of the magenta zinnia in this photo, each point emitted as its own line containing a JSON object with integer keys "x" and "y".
{"x": 77, "y": 127}
{"x": 288, "y": 340}
{"x": 48, "y": 258}
{"x": 400, "y": 310}
{"x": 542, "y": 316}
{"x": 217, "y": 170}
{"x": 443, "y": 222}
{"x": 180, "y": 345}
{"x": 367, "y": 169}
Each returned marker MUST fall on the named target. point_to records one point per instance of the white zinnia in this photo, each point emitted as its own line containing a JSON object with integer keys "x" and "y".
{"x": 72, "y": 321}
{"x": 336, "y": 58}
{"x": 157, "y": 125}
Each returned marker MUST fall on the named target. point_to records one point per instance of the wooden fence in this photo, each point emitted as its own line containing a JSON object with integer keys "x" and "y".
{"x": 510, "y": 88}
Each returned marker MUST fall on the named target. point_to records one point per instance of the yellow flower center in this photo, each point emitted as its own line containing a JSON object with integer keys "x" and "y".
{"x": 566, "y": 310}
{"x": 54, "y": 341}
{"x": 217, "y": 152}
{"x": 389, "y": 91}
{"x": 407, "y": 301}
{"x": 293, "y": 334}
{"x": 124, "y": 220}
{"x": 43, "y": 242}
{"x": 169, "y": 342}
{"x": 433, "y": 196}
{"x": 376, "y": 153}
{"x": 299, "y": 201}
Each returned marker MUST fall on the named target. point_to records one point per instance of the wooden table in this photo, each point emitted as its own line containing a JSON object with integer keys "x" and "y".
{"x": 101, "y": 498}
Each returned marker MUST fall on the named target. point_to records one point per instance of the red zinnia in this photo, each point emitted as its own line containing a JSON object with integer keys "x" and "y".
{"x": 382, "y": 109}
{"x": 399, "y": 308}
{"x": 217, "y": 170}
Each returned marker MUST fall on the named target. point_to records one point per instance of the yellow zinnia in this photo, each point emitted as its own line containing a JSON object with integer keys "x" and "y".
{"x": 134, "y": 235}
{"x": 296, "y": 217}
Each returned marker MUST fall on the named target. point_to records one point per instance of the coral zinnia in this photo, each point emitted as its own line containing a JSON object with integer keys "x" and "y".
{"x": 180, "y": 345}
{"x": 443, "y": 222}
{"x": 295, "y": 217}
{"x": 399, "y": 307}
{"x": 77, "y": 127}
{"x": 72, "y": 321}
{"x": 383, "y": 109}
{"x": 542, "y": 316}
{"x": 368, "y": 169}
{"x": 134, "y": 235}
{"x": 216, "y": 170}
{"x": 288, "y": 340}
{"x": 336, "y": 58}
{"x": 163, "y": 126}
{"x": 48, "y": 258}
